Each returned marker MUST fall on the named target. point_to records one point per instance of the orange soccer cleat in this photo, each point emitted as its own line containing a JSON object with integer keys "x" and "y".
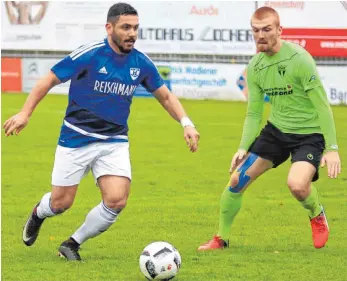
{"x": 215, "y": 243}
{"x": 320, "y": 230}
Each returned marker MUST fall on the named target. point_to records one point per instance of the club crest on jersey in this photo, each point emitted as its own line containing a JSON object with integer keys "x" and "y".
{"x": 282, "y": 70}
{"x": 134, "y": 73}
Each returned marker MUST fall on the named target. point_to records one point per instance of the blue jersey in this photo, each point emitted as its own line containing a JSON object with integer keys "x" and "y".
{"x": 101, "y": 91}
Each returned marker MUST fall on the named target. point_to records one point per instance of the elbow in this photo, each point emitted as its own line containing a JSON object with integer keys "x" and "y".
{"x": 52, "y": 84}
{"x": 167, "y": 100}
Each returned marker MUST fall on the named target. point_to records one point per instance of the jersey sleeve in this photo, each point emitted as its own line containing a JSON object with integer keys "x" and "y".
{"x": 320, "y": 101}
{"x": 152, "y": 80}
{"x": 307, "y": 72}
{"x": 254, "y": 111}
{"x": 72, "y": 64}
{"x": 310, "y": 79}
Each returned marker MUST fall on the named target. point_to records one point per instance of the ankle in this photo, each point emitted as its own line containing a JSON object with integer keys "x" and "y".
{"x": 36, "y": 217}
{"x": 226, "y": 243}
{"x": 72, "y": 242}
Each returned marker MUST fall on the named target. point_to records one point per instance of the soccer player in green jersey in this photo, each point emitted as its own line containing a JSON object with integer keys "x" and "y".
{"x": 300, "y": 125}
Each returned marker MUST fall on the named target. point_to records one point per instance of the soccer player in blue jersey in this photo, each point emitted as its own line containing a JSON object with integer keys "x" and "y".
{"x": 104, "y": 76}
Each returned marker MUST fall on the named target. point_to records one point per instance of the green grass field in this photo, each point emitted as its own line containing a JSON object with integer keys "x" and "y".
{"x": 174, "y": 197}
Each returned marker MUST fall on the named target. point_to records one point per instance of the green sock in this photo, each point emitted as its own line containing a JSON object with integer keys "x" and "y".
{"x": 230, "y": 205}
{"x": 311, "y": 203}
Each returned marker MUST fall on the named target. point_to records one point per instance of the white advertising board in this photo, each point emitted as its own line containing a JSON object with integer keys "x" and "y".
{"x": 200, "y": 81}
{"x": 165, "y": 26}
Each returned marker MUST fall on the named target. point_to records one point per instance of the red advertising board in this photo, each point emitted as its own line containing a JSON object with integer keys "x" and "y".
{"x": 319, "y": 42}
{"x": 11, "y": 75}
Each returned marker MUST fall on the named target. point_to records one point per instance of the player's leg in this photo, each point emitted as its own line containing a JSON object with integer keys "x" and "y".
{"x": 51, "y": 204}
{"x": 303, "y": 172}
{"x": 70, "y": 166}
{"x": 251, "y": 168}
{"x": 300, "y": 184}
{"x": 266, "y": 152}
{"x": 230, "y": 204}
{"x": 113, "y": 173}
{"x": 115, "y": 192}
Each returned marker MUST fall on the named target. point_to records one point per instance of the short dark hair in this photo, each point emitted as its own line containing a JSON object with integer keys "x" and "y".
{"x": 119, "y": 9}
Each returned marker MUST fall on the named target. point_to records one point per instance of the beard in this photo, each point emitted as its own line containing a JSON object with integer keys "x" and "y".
{"x": 118, "y": 44}
{"x": 263, "y": 47}
{"x": 267, "y": 45}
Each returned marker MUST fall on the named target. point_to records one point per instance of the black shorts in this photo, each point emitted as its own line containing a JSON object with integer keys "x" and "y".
{"x": 276, "y": 146}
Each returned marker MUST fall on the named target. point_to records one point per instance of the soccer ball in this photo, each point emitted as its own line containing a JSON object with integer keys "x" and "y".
{"x": 160, "y": 261}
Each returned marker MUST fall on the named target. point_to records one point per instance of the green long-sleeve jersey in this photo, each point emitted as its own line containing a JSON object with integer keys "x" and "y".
{"x": 299, "y": 103}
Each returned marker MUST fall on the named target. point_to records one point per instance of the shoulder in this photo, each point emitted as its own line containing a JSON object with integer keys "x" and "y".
{"x": 297, "y": 52}
{"x": 88, "y": 50}
{"x": 142, "y": 57}
{"x": 295, "y": 48}
{"x": 254, "y": 62}
{"x": 303, "y": 57}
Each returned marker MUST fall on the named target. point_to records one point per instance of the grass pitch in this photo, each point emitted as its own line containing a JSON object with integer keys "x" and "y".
{"x": 174, "y": 197}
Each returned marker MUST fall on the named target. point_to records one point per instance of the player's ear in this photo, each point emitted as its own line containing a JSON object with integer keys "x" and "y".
{"x": 109, "y": 28}
{"x": 280, "y": 30}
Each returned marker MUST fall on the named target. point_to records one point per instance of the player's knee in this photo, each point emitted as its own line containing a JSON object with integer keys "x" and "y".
{"x": 234, "y": 179}
{"x": 238, "y": 182}
{"x": 116, "y": 203}
{"x": 60, "y": 205}
{"x": 240, "y": 179}
{"x": 298, "y": 187}
{"x": 62, "y": 198}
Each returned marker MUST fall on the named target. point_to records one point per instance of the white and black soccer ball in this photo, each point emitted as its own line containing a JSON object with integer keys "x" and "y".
{"x": 160, "y": 261}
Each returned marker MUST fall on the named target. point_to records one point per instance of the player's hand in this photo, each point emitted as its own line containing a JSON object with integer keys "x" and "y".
{"x": 192, "y": 137}
{"x": 237, "y": 159}
{"x": 16, "y": 123}
{"x": 332, "y": 160}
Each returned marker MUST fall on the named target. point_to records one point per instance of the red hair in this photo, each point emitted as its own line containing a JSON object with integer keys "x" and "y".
{"x": 264, "y": 12}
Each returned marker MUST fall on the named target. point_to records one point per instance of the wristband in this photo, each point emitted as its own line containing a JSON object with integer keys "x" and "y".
{"x": 185, "y": 121}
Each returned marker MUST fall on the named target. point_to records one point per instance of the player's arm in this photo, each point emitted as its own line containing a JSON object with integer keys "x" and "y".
{"x": 61, "y": 72}
{"x": 173, "y": 106}
{"x": 309, "y": 76}
{"x": 253, "y": 119}
{"x": 155, "y": 84}
{"x": 254, "y": 113}
{"x": 40, "y": 90}
{"x": 320, "y": 101}
{"x": 17, "y": 122}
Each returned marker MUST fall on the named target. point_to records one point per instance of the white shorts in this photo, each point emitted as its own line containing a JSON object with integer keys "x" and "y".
{"x": 72, "y": 164}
